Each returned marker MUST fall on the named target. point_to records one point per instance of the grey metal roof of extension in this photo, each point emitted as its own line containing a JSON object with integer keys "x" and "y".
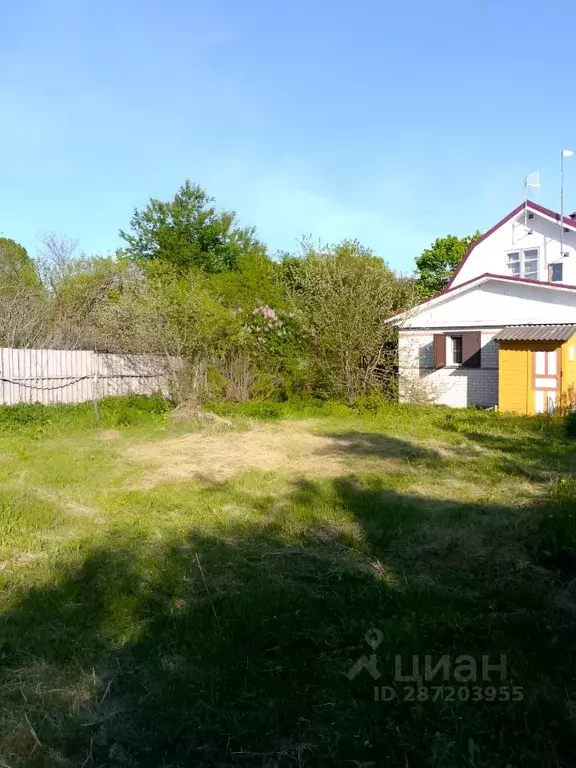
{"x": 536, "y": 333}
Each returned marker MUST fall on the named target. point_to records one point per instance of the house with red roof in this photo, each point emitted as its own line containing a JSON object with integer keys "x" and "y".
{"x": 502, "y": 334}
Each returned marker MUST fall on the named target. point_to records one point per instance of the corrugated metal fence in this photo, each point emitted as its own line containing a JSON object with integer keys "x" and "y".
{"x": 66, "y": 376}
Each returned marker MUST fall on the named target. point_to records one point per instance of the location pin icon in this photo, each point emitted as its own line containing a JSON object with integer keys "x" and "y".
{"x": 373, "y": 638}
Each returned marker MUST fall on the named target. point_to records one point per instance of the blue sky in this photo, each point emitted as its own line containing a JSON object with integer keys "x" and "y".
{"x": 393, "y": 123}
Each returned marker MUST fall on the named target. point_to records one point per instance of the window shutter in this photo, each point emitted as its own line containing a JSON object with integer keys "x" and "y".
{"x": 439, "y": 350}
{"x": 471, "y": 345}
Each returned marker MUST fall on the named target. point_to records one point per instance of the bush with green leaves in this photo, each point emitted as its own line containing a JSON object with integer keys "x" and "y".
{"x": 36, "y": 418}
{"x": 199, "y": 293}
{"x": 570, "y": 424}
{"x": 346, "y": 296}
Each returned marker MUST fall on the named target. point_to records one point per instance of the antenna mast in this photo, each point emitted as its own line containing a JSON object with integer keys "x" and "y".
{"x": 563, "y": 154}
{"x": 531, "y": 181}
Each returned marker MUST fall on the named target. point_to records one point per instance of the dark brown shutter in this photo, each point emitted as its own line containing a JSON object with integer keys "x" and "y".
{"x": 439, "y": 350}
{"x": 471, "y": 345}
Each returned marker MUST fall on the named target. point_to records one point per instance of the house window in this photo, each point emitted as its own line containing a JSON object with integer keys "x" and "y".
{"x": 514, "y": 264}
{"x": 556, "y": 271}
{"x": 523, "y": 263}
{"x": 531, "y": 264}
{"x": 464, "y": 349}
{"x": 455, "y": 347}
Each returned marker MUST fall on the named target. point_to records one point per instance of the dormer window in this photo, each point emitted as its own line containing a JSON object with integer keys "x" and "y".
{"x": 523, "y": 263}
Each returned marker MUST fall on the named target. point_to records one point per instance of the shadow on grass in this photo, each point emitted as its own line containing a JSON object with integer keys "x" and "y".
{"x": 235, "y": 649}
{"x": 536, "y": 457}
{"x": 375, "y": 444}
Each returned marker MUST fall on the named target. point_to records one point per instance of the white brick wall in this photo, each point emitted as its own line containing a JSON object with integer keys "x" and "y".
{"x": 458, "y": 387}
{"x": 489, "y": 350}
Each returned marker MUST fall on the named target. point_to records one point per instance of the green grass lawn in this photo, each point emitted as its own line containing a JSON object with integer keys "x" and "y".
{"x": 177, "y": 595}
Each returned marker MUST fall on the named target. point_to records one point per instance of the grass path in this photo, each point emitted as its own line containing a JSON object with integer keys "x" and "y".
{"x": 176, "y": 596}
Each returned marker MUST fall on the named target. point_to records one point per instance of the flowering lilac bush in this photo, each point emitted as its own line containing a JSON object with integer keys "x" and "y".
{"x": 275, "y": 344}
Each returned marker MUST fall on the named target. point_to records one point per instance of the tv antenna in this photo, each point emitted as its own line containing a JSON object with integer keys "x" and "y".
{"x": 532, "y": 181}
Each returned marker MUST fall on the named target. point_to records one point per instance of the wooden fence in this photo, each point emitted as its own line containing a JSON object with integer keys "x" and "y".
{"x": 66, "y": 376}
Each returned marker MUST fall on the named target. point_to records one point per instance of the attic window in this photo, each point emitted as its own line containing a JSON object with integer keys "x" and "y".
{"x": 523, "y": 263}
{"x": 556, "y": 273}
{"x": 514, "y": 264}
{"x": 531, "y": 264}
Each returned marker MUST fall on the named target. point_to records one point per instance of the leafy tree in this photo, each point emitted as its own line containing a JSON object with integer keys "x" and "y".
{"x": 436, "y": 265}
{"x": 346, "y": 294}
{"x": 88, "y": 282}
{"x": 188, "y": 232}
{"x": 260, "y": 351}
{"x": 255, "y": 281}
{"x": 80, "y": 291}
{"x": 23, "y": 316}
{"x": 17, "y": 270}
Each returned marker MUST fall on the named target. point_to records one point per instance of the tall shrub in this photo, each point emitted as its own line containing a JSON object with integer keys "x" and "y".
{"x": 346, "y": 295}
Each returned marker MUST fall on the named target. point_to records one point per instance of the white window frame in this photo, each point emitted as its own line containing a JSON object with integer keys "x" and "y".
{"x": 450, "y": 350}
{"x": 522, "y": 259}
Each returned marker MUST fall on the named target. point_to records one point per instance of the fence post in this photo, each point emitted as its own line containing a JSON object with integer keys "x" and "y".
{"x": 95, "y": 396}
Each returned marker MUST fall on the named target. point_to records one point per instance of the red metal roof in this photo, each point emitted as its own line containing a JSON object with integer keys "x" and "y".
{"x": 552, "y": 214}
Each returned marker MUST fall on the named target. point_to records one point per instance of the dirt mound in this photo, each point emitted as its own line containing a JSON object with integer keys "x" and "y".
{"x": 109, "y": 434}
{"x": 191, "y": 412}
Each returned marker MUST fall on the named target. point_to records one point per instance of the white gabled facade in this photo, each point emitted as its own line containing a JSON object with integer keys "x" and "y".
{"x": 483, "y": 297}
{"x": 532, "y": 233}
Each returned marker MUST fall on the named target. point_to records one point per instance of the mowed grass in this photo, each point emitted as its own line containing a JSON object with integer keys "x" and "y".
{"x": 211, "y": 616}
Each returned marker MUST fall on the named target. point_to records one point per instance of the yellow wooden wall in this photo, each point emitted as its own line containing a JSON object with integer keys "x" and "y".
{"x": 569, "y": 373}
{"x": 515, "y": 391}
{"x": 515, "y": 377}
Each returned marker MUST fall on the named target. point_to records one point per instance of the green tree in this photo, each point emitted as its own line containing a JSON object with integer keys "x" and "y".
{"x": 23, "y": 315}
{"x": 188, "y": 232}
{"x": 346, "y": 295}
{"x": 17, "y": 270}
{"x": 436, "y": 265}
{"x": 255, "y": 281}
